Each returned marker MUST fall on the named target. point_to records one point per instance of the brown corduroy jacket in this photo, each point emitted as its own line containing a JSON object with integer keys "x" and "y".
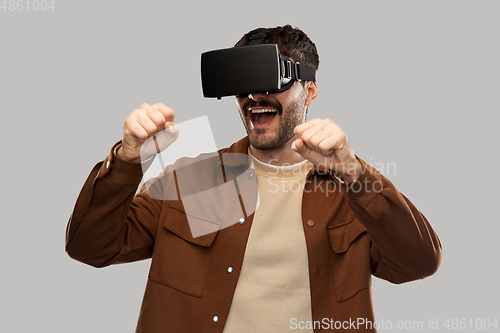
{"x": 351, "y": 233}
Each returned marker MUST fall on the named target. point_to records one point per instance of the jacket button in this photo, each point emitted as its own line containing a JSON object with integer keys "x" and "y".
{"x": 310, "y": 223}
{"x": 316, "y": 271}
{"x": 215, "y": 319}
{"x": 229, "y": 270}
{"x": 250, "y": 175}
{"x": 242, "y": 220}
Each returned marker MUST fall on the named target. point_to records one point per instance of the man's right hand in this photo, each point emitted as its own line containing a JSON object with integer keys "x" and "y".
{"x": 145, "y": 123}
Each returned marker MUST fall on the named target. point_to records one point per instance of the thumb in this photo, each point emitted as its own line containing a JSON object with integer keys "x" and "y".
{"x": 299, "y": 147}
{"x": 168, "y": 136}
{"x": 160, "y": 141}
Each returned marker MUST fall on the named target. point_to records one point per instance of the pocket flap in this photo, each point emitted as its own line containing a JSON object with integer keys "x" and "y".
{"x": 341, "y": 237}
{"x": 183, "y": 226}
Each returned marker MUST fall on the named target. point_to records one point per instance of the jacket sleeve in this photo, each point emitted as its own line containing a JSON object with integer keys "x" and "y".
{"x": 404, "y": 245}
{"x": 110, "y": 223}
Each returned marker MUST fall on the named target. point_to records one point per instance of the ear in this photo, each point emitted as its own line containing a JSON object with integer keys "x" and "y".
{"x": 311, "y": 89}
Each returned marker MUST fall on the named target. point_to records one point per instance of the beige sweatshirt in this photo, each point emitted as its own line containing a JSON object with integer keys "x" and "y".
{"x": 273, "y": 287}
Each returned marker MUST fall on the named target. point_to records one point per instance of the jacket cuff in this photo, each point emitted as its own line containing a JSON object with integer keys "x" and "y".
{"x": 367, "y": 186}
{"x": 120, "y": 172}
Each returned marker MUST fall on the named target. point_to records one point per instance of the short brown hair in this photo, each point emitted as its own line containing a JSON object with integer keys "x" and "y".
{"x": 292, "y": 43}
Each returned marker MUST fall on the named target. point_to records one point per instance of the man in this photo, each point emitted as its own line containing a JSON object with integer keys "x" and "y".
{"x": 325, "y": 221}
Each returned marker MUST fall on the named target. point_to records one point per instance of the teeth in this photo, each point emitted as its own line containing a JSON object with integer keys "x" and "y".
{"x": 263, "y": 110}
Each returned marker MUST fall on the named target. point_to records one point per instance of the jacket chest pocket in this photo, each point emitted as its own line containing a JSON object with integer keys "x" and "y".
{"x": 351, "y": 258}
{"x": 181, "y": 261}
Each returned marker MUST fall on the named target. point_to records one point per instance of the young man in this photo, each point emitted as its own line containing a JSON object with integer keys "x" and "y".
{"x": 325, "y": 221}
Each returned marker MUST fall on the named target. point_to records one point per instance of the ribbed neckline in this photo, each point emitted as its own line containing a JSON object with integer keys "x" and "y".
{"x": 286, "y": 171}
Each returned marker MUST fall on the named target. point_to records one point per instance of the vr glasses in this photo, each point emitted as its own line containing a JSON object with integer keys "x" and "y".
{"x": 244, "y": 70}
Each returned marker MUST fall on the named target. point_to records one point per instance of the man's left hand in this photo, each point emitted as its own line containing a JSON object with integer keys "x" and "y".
{"x": 323, "y": 142}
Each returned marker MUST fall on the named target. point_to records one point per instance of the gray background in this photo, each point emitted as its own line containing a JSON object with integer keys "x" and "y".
{"x": 412, "y": 83}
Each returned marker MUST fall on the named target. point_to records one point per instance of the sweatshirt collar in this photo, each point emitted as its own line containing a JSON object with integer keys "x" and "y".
{"x": 232, "y": 156}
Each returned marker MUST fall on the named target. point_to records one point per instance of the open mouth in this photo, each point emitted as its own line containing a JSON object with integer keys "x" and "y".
{"x": 262, "y": 117}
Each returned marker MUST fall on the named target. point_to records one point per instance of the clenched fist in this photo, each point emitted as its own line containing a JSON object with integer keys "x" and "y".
{"x": 323, "y": 142}
{"x": 154, "y": 122}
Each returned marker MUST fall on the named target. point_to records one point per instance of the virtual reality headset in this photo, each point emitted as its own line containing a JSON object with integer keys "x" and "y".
{"x": 244, "y": 70}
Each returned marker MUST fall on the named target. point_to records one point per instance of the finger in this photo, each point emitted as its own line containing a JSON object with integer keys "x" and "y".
{"x": 160, "y": 141}
{"x": 153, "y": 114}
{"x": 144, "y": 107}
{"x": 167, "y": 112}
{"x": 300, "y": 147}
{"x": 168, "y": 136}
{"x": 150, "y": 118}
{"x": 171, "y": 126}
{"x": 158, "y": 119}
{"x": 307, "y": 153}
{"x": 316, "y": 136}
{"x": 133, "y": 128}
{"x": 313, "y": 136}
{"x": 328, "y": 138}
{"x": 316, "y": 128}
{"x": 149, "y": 126}
{"x": 336, "y": 141}
{"x": 300, "y": 129}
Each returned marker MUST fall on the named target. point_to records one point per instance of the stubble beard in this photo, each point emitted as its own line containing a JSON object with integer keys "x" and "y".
{"x": 290, "y": 118}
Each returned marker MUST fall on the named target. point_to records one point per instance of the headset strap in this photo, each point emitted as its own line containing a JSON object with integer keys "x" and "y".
{"x": 296, "y": 71}
{"x": 289, "y": 69}
{"x": 258, "y": 38}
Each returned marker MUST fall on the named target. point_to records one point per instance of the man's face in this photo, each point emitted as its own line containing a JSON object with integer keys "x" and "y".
{"x": 270, "y": 119}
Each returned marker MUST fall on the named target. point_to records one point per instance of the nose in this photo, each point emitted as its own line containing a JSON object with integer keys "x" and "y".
{"x": 257, "y": 96}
